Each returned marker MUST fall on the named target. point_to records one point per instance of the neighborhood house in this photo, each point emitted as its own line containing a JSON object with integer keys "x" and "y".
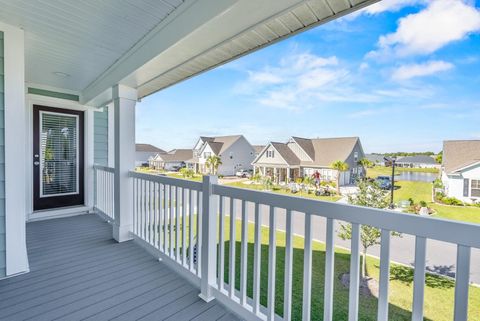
{"x": 461, "y": 169}
{"x": 235, "y": 153}
{"x": 173, "y": 160}
{"x": 143, "y": 153}
{"x": 301, "y": 157}
{"x": 418, "y": 161}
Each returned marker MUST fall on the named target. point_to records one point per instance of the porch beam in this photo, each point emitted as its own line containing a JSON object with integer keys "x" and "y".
{"x": 124, "y": 100}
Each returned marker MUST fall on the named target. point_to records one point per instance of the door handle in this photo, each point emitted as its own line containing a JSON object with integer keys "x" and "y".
{"x": 36, "y": 163}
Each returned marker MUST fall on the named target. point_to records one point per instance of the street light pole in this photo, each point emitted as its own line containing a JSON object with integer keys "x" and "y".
{"x": 392, "y": 187}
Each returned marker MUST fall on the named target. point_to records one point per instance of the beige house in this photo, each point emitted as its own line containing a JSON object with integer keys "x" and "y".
{"x": 301, "y": 157}
{"x": 461, "y": 169}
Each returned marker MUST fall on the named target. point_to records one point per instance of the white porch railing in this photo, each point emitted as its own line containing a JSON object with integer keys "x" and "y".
{"x": 185, "y": 223}
{"x": 103, "y": 178}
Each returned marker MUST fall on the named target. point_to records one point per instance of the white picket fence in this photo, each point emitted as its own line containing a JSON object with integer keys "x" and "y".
{"x": 184, "y": 222}
{"x": 103, "y": 178}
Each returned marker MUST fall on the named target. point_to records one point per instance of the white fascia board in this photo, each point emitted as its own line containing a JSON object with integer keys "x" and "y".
{"x": 458, "y": 171}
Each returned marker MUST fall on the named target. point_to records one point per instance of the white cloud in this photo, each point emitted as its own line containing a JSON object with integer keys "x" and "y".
{"x": 439, "y": 24}
{"x": 293, "y": 81}
{"x": 420, "y": 70}
{"x": 390, "y": 5}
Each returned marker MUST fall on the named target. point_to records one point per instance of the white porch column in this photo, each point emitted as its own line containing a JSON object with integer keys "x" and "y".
{"x": 288, "y": 175}
{"x": 264, "y": 171}
{"x": 124, "y": 100}
{"x": 254, "y": 170}
{"x": 15, "y": 189}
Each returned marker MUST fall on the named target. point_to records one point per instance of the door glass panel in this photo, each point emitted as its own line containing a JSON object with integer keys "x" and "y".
{"x": 58, "y": 154}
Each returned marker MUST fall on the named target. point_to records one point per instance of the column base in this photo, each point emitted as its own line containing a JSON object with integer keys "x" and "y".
{"x": 122, "y": 233}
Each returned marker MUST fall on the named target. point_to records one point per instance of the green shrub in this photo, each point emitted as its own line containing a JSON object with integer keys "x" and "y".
{"x": 438, "y": 183}
{"x": 411, "y": 201}
{"x": 423, "y": 204}
{"x": 452, "y": 201}
{"x": 439, "y": 196}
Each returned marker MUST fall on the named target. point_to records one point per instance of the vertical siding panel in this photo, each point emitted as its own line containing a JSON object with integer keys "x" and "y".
{"x": 2, "y": 164}
{"x": 100, "y": 140}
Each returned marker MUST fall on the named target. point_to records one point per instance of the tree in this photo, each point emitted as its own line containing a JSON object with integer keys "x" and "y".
{"x": 365, "y": 163}
{"x": 213, "y": 162}
{"x": 370, "y": 195}
{"x": 439, "y": 157}
{"x": 339, "y": 166}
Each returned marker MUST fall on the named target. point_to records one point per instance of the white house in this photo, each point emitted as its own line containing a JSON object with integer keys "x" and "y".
{"x": 144, "y": 152}
{"x": 173, "y": 160}
{"x": 234, "y": 151}
{"x": 461, "y": 169}
{"x": 301, "y": 157}
{"x": 417, "y": 161}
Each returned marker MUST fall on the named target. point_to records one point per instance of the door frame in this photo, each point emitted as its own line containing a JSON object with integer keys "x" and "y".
{"x": 31, "y": 100}
{"x": 66, "y": 199}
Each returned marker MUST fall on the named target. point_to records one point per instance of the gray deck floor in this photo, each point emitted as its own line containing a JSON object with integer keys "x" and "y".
{"x": 79, "y": 273}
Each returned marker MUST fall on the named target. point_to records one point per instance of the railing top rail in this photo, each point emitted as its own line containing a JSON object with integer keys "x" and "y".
{"x": 438, "y": 229}
{"x": 104, "y": 168}
{"x": 168, "y": 180}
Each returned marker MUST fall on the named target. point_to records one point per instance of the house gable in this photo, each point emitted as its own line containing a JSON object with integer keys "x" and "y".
{"x": 298, "y": 150}
{"x": 277, "y": 158}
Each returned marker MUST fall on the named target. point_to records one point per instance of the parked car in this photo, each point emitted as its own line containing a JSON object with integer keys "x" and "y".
{"x": 245, "y": 173}
{"x": 178, "y": 167}
{"x": 384, "y": 182}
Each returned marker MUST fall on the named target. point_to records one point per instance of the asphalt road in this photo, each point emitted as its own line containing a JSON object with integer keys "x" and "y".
{"x": 441, "y": 256}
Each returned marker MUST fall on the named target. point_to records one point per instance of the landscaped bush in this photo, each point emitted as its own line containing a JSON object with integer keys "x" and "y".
{"x": 452, "y": 201}
{"x": 423, "y": 204}
{"x": 438, "y": 183}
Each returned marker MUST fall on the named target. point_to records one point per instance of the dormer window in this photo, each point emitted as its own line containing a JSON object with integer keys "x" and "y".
{"x": 355, "y": 156}
{"x": 270, "y": 154}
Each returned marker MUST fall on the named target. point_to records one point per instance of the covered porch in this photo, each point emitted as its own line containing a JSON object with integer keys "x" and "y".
{"x": 71, "y": 75}
{"x": 77, "y": 272}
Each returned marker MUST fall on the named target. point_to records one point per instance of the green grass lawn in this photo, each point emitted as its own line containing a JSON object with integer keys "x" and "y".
{"x": 439, "y": 291}
{"x": 280, "y": 190}
{"x": 196, "y": 177}
{"x": 382, "y": 170}
{"x": 422, "y": 191}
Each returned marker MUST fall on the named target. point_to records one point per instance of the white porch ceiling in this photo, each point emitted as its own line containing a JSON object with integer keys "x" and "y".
{"x": 151, "y": 44}
{"x": 80, "y": 38}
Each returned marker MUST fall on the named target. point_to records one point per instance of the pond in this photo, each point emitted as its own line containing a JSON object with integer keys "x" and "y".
{"x": 416, "y": 176}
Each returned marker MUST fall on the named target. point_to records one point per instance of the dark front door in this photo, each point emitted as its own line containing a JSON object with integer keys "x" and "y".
{"x": 58, "y": 157}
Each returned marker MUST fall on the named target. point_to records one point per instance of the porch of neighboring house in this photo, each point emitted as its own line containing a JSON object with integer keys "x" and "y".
{"x": 78, "y": 272}
{"x": 279, "y": 174}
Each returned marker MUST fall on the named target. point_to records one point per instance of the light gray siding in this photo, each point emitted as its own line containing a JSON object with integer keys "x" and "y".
{"x": 100, "y": 133}
{"x": 2, "y": 162}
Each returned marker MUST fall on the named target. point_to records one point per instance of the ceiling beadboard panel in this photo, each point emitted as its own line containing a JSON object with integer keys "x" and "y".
{"x": 80, "y": 38}
{"x": 310, "y": 13}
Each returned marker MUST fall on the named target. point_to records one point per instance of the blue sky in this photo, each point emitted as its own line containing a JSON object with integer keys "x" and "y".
{"x": 403, "y": 75}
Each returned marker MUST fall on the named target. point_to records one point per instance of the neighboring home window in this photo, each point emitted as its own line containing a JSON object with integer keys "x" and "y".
{"x": 231, "y": 155}
{"x": 207, "y": 154}
{"x": 475, "y": 191}
{"x": 355, "y": 156}
{"x": 270, "y": 154}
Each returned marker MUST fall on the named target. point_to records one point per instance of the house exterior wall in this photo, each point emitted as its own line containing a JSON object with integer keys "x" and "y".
{"x": 417, "y": 165}
{"x": 2, "y": 164}
{"x": 238, "y": 156}
{"x": 355, "y": 169}
{"x": 454, "y": 184}
{"x": 100, "y": 137}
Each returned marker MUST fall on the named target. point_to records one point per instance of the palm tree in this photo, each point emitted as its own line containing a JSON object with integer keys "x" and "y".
{"x": 339, "y": 166}
{"x": 213, "y": 162}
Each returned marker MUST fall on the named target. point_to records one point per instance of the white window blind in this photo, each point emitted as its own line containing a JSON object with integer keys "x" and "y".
{"x": 58, "y": 154}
